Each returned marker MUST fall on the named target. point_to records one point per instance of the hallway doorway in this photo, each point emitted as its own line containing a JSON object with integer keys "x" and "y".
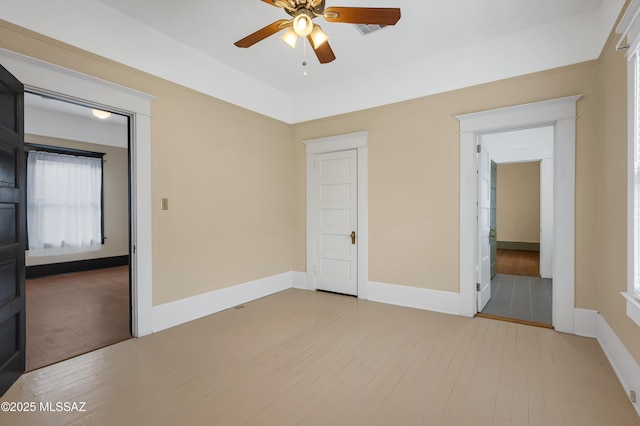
{"x": 78, "y": 293}
{"x": 560, "y": 114}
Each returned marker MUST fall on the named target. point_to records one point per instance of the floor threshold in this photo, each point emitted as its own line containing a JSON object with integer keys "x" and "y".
{"x": 515, "y": 320}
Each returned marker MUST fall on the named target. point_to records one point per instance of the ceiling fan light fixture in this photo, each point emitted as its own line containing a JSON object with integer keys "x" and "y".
{"x": 302, "y": 24}
{"x": 318, "y": 37}
{"x": 290, "y": 37}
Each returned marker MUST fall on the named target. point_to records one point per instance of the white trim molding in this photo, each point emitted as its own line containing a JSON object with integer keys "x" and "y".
{"x": 191, "y": 308}
{"x": 633, "y": 307}
{"x": 359, "y": 142}
{"x": 629, "y": 27}
{"x": 44, "y": 78}
{"x": 560, "y": 113}
{"x": 445, "y": 302}
{"x": 299, "y": 280}
{"x": 586, "y": 322}
{"x": 623, "y": 363}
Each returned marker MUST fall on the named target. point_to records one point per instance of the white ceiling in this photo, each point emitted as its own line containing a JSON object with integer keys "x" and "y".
{"x": 437, "y": 45}
{"x": 47, "y": 103}
{"x": 45, "y": 116}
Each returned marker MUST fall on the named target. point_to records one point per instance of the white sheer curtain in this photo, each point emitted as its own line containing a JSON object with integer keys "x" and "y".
{"x": 64, "y": 207}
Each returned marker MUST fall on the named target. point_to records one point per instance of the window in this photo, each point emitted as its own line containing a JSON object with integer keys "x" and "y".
{"x": 635, "y": 172}
{"x": 629, "y": 28}
{"x": 64, "y": 203}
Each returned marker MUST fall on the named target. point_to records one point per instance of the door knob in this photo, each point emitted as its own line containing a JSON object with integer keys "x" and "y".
{"x": 353, "y": 237}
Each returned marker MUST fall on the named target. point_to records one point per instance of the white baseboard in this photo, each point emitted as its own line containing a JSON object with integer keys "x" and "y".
{"x": 299, "y": 280}
{"x": 414, "y": 297}
{"x": 625, "y": 366}
{"x": 585, "y": 322}
{"x": 175, "y": 313}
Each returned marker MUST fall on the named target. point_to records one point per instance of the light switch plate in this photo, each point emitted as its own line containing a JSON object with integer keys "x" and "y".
{"x": 164, "y": 204}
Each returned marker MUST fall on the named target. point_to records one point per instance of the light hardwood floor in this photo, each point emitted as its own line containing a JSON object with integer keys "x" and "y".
{"x": 301, "y": 357}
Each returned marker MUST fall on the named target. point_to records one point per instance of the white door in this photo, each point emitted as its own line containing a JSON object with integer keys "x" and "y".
{"x": 336, "y": 203}
{"x": 484, "y": 229}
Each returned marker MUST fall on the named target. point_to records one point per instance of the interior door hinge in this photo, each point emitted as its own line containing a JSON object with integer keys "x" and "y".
{"x": 134, "y": 249}
{"x": 478, "y": 148}
{"x": 477, "y": 286}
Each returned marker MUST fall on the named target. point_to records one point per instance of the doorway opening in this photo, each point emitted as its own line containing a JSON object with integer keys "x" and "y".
{"x": 22, "y": 73}
{"x": 522, "y": 225}
{"x": 78, "y": 296}
{"x": 560, "y": 115}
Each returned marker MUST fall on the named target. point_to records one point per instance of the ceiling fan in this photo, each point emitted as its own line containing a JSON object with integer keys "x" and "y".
{"x": 304, "y": 11}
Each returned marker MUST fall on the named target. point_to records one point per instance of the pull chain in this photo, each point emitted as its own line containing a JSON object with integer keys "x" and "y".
{"x": 304, "y": 62}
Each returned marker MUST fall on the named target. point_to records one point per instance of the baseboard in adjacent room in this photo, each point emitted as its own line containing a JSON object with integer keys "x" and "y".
{"x": 515, "y": 245}
{"x": 36, "y": 271}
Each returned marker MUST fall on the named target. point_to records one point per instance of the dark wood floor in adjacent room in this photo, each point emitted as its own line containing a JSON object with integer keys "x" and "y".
{"x": 518, "y": 262}
{"x": 72, "y": 314}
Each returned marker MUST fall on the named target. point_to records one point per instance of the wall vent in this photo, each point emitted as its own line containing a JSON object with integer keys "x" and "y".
{"x": 368, "y": 28}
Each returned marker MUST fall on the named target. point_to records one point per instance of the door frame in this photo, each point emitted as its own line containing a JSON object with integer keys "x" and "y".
{"x": 523, "y": 151}
{"x": 45, "y": 78}
{"x": 359, "y": 142}
{"x": 561, "y": 114}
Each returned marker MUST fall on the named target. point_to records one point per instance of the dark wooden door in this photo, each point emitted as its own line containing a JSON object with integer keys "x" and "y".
{"x": 12, "y": 230}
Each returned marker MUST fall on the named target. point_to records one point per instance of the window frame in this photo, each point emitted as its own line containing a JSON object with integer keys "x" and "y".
{"x": 629, "y": 28}
{"x": 78, "y": 153}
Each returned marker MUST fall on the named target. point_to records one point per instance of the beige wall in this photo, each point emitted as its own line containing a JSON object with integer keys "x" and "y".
{"x": 116, "y": 201}
{"x": 518, "y": 202}
{"x": 225, "y": 170}
{"x": 414, "y": 177}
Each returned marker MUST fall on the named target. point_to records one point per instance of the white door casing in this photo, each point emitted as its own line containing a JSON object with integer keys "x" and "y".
{"x": 526, "y": 145}
{"x": 353, "y": 141}
{"x": 45, "y": 78}
{"x": 484, "y": 228}
{"x": 561, "y": 114}
{"x": 546, "y": 218}
{"x": 335, "y": 193}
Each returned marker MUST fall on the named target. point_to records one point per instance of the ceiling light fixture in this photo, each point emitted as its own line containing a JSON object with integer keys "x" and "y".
{"x": 302, "y": 24}
{"x": 100, "y": 114}
{"x": 290, "y": 37}
{"x": 318, "y": 37}
{"x": 303, "y": 12}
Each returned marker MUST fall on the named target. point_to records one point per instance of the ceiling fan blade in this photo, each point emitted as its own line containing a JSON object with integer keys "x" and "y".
{"x": 363, "y": 15}
{"x": 263, "y": 33}
{"x": 323, "y": 52}
{"x": 279, "y": 3}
